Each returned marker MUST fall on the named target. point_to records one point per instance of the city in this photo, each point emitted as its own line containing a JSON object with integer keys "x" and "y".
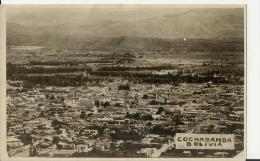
{"x": 72, "y": 95}
{"x": 111, "y": 117}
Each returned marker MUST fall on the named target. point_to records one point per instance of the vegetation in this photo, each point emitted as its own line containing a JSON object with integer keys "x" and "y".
{"x": 127, "y": 135}
{"x": 138, "y": 116}
{"x": 124, "y": 87}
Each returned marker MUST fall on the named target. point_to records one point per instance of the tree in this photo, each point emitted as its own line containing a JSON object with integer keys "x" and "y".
{"x": 127, "y": 135}
{"x": 146, "y": 117}
{"x": 210, "y": 129}
{"x": 154, "y": 102}
{"x": 160, "y": 110}
{"x": 28, "y": 85}
{"x": 26, "y": 139}
{"x": 97, "y": 102}
{"x": 82, "y": 115}
{"x": 124, "y": 87}
{"x": 145, "y": 96}
{"x": 55, "y": 139}
{"x": 157, "y": 129}
{"x": 52, "y": 97}
{"x": 106, "y": 104}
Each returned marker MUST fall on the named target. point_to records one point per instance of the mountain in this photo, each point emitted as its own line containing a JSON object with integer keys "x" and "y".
{"x": 150, "y": 30}
{"x": 179, "y": 45}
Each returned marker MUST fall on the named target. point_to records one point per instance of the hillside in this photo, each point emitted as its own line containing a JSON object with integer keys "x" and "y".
{"x": 162, "y": 29}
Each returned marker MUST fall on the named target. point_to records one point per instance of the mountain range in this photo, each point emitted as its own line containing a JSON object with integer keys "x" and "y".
{"x": 155, "y": 30}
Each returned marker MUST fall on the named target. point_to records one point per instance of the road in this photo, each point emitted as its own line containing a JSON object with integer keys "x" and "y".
{"x": 158, "y": 152}
{"x": 166, "y": 146}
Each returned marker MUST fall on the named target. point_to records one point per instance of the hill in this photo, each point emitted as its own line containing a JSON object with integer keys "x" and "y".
{"x": 153, "y": 29}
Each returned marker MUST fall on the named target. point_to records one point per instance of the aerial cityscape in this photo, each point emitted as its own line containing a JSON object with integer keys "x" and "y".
{"x": 124, "y": 82}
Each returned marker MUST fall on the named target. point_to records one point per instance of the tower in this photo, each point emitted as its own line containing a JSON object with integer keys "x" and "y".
{"x": 85, "y": 73}
{"x": 75, "y": 96}
{"x": 156, "y": 96}
{"x": 136, "y": 99}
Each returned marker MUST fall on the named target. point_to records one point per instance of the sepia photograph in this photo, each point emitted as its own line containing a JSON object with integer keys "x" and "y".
{"x": 125, "y": 81}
